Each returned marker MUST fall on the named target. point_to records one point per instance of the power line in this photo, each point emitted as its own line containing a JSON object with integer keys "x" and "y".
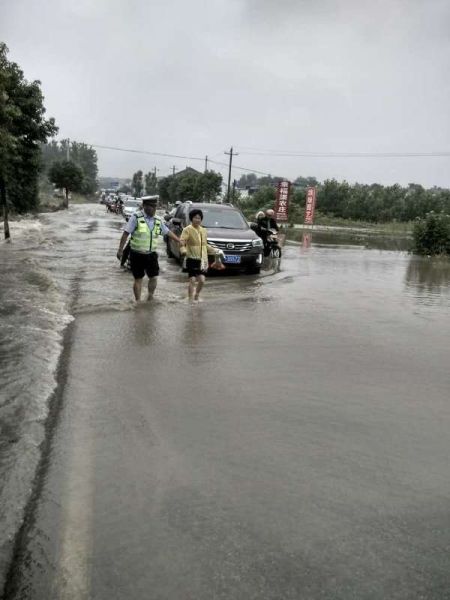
{"x": 239, "y": 168}
{"x": 300, "y": 154}
{"x": 163, "y": 154}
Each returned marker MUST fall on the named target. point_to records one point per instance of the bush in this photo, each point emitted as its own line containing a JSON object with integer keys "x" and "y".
{"x": 432, "y": 234}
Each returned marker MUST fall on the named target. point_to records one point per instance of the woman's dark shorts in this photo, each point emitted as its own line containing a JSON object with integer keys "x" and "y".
{"x": 193, "y": 267}
{"x": 142, "y": 264}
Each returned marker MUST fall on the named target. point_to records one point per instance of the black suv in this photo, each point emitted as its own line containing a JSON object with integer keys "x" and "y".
{"x": 228, "y": 230}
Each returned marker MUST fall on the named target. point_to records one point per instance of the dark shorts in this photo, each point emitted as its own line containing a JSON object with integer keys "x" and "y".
{"x": 193, "y": 267}
{"x": 142, "y": 264}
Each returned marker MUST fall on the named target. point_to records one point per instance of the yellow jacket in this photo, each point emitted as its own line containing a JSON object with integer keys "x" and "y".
{"x": 194, "y": 243}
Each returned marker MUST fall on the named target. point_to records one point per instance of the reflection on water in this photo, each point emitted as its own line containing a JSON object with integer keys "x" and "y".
{"x": 271, "y": 264}
{"x": 145, "y": 326}
{"x": 428, "y": 274}
{"x": 306, "y": 240}
{"x": 368, "y": 240}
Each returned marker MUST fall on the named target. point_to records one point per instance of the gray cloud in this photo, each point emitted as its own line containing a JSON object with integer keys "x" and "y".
{"x": 194, "y": 78}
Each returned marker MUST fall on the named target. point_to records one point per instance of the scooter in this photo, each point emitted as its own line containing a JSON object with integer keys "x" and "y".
{"x": 271, "y": 246}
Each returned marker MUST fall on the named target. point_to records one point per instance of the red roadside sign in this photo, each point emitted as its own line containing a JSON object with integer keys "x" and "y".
{"x": 310, "y": 205}
{"x": 282, "y": 201}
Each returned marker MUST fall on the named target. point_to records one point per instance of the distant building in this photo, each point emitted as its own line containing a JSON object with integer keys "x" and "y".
{"x": 247, "y": 191}
{"x": 186, "y": 171}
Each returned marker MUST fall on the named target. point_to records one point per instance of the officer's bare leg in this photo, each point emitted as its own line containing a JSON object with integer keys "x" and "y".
{"x": 200, "y": 284}
{"x": 137, "y": 289}
{"x": 152, "y": 281}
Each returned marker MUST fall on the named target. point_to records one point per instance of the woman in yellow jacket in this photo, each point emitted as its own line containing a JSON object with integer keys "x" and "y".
{"x": 194, "y": 244}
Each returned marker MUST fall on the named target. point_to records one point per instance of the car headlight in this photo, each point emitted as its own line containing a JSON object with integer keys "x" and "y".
{"x": 257, "y": 243}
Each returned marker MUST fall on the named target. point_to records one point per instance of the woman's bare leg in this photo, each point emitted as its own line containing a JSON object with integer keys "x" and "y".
{"x": 200, "y": 284}
{"x": 191, "y": 288}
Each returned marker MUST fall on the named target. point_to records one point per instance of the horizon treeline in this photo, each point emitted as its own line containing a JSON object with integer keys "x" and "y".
{"x": 359, "y": 202}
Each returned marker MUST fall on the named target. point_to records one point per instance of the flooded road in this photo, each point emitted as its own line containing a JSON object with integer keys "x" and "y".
{"x": 285, "y": 439}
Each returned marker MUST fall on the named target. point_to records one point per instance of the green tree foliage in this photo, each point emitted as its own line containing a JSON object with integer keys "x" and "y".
{"x": 375, "y": 203}
{"x": 209, "y": 186}
{"x": 84, "y": 156}
{"x": 304, "y": 182}
{"x": 68, "y": 176}
{"x": 250, "y": 180}
{"x": 432, "y": 234}
{"x": 137, "y": 184}
{"x": 22, "y": 127}
{"x": 190, "y": 185}
{"x": 151, "y": 183}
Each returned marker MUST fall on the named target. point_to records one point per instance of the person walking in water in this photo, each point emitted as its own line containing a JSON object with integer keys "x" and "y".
{"x": 145, "y": 230}
{"x": 194, "y": 245}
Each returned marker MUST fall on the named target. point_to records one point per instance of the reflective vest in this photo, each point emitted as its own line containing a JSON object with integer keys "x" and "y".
{"x": 144, "y": 239}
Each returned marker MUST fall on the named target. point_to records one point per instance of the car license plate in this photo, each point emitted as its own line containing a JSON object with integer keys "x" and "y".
{"x": 232, "y": 258}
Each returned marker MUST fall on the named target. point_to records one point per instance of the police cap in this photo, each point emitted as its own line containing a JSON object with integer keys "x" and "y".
{"x": 152, "y": 200}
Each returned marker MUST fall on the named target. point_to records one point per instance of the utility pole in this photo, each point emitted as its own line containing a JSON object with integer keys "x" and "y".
{"x": 154, "y": 170}
{"x": 206, "y": 163}
{"x": 230, "y": 154}
{"x": 68, "y": 150}
{"x": 173, "y": 170}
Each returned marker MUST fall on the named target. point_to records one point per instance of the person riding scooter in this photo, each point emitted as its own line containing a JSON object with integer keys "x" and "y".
{"x": 265, "y": 225}
{"x": 268, "y": 220}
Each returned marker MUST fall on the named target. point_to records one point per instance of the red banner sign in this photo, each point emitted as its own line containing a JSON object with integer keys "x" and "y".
{"x": 282, "y": 201}
{"x": 310, "y": 205}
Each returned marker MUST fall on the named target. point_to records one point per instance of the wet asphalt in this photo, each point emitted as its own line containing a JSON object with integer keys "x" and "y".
{"x": 285, "y": 439}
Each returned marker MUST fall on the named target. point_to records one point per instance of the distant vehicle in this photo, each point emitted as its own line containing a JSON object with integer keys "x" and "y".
{"x": 169, "y": 214}
{"x": 111, "y": 205}
{"x": 228, "y": 230}
{"x": 130, "y": 206}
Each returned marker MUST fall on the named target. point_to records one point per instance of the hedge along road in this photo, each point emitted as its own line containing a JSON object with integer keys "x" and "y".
{"x": 287, "y": 438}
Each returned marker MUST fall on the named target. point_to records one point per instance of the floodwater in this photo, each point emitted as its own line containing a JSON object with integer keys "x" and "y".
{"x": 287, "y": 438}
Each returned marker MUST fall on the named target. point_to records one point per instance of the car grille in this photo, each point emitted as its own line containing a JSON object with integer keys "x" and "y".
{"x": 230, "y": 246}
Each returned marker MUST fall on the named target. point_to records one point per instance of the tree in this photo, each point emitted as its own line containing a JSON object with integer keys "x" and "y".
{"x": 190, "y": 185}
{"x": 209, "y": 186}
{"x": 85, "y": 157}
{"x": 247, "y": 180}
{"x": 22, "y": 128}
{"x": 432, "y": 234}
{"x": 81, "y": 154}
{"x": 163, "y": 188}
{"x": 68, "y": 176}
{"x": 151, "y": 183}
{"x": 303, "y": 182}
{"x": 262, "y": 199}
{"x": 137, "y": 184}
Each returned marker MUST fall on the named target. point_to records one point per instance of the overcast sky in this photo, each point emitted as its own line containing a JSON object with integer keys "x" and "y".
{"x": 195, "y": 77}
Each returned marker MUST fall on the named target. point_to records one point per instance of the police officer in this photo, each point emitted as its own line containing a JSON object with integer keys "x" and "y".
{"x": 145, "y": 230}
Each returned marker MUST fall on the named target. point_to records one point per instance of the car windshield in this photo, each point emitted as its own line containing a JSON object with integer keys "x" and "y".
{"x": 131, "y": 203}
{"x": 223, "y": 218}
